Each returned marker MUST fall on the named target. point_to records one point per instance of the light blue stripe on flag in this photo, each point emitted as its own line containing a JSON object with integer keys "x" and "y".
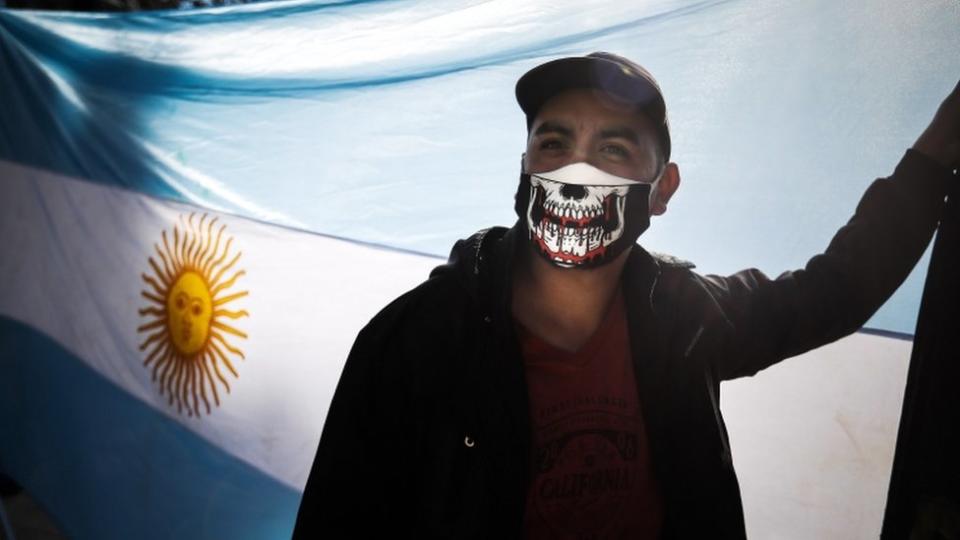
{"x": 107, "y": 465}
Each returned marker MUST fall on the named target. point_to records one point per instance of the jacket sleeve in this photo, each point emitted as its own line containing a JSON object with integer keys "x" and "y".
{"x": 358, "y": 464}
{"x": 838, "y": 290}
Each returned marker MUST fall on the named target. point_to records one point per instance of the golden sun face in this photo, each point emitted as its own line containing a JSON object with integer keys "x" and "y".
{"x": 188, "y": 312}
{"x": 187, "y": 333}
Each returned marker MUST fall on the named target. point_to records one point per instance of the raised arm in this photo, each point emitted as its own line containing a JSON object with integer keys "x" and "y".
{"x": 868, "y": 258}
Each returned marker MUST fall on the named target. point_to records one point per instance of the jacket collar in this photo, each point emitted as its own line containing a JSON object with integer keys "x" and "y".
{"x": 483, "y": 264}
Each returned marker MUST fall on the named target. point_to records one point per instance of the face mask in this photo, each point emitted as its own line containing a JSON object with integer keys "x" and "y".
{"x": 581, "y": 217}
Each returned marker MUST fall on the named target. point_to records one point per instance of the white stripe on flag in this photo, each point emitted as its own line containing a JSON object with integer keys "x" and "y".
{"x": 75, "y": 253}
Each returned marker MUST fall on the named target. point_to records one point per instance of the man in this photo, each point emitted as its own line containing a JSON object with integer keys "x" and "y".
{"x": 555, "y": 380}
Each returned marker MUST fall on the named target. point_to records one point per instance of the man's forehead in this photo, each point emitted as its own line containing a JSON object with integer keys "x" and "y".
{"x": 570, "y": 110}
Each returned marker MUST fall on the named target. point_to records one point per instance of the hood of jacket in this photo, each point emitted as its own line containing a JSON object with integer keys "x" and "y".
{"x": 482, "y": 264}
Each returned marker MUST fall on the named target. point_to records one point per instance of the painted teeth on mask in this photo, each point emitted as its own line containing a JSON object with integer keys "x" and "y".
{"x": 580, "y": 246}
{"x": 553, "y": 239}
{"x": 566, "y": 240}
{"x": 570, "y": 211}
{"x": 576, "y": 241}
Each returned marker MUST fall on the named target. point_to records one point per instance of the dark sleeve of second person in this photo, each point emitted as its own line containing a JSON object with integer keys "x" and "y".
{"x": 840, "y": 289}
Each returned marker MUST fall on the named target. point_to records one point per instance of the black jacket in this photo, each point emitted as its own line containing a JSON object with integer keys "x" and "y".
{"x": 428, "y": 434}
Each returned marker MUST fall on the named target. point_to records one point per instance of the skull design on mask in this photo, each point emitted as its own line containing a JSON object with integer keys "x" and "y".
{"x": 575, "y": 223}
{"x": 580, "y": 216}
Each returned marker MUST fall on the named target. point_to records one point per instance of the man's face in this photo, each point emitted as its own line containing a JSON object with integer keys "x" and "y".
{"x": 586, "y": 126}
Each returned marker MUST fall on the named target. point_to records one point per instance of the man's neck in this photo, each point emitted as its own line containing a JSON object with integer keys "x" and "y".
{"x": 563, "y": 306}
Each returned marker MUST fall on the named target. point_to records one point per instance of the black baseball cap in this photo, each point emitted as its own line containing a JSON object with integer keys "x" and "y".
{"x": 624, "y": 80}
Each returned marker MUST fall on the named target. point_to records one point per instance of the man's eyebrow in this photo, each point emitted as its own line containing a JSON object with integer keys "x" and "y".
{"x": 621, "y": 132}
{"x": 553, "y": 127}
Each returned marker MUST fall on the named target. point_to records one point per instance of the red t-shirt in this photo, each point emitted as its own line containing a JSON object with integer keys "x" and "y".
{"x": 591, "y": 472}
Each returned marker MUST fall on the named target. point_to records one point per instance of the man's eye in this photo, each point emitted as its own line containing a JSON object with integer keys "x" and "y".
{"x": 551, "y": 144}
{"x": 616, "y": 150}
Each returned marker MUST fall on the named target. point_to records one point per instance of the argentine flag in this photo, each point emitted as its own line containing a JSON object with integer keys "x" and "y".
{"x": 200, "y": 209}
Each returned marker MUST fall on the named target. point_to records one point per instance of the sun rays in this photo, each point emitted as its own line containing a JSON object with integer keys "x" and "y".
{"x": 187, "y": 339}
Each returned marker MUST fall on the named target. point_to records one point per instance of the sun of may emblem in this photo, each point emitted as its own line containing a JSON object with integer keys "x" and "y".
{"x": 187, "y": 337}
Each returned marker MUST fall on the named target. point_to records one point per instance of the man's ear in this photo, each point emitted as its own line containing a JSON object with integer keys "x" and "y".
{"x": 666, "y": 187}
